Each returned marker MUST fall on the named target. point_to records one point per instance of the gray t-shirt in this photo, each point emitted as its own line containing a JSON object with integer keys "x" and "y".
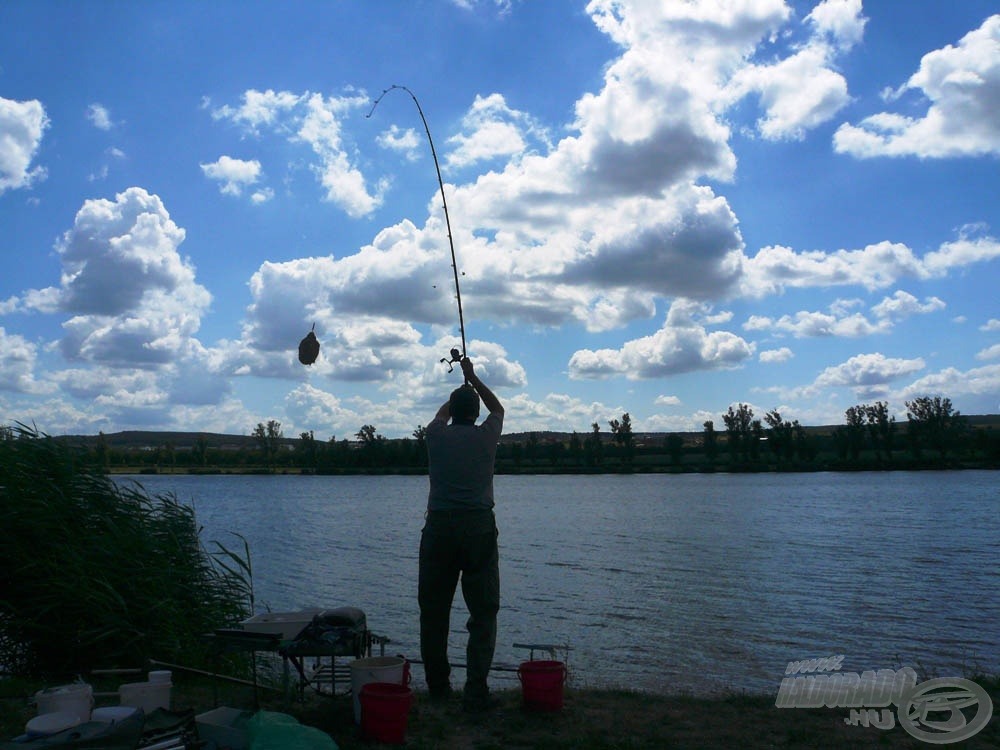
{"x": 461, "y": 460}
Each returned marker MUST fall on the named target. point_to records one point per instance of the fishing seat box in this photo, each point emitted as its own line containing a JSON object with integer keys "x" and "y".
{"x": 285, "y": 626}
{"x": 336, "y": 632}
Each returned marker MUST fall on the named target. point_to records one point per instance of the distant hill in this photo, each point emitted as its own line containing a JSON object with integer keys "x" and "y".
{"x": 981, "y": 421}
{"x": 138, "y": 439}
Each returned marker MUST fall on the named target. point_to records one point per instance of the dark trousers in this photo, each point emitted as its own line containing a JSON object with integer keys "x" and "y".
{"x": 453, "y": 544}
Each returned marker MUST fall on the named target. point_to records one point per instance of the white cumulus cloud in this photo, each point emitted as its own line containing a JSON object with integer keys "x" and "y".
{"x": 961, "y": 84}
{"x": 404, "y": 140}
{"x": 954, "y": 383}
{"x": 17, "y": 365}
{"x": 99, "y": 117}
{"x": 22, "y": 125}
{"x": 990, "y": 352}
{"x": 866, "y": 370}
{"x": 491, "y": 129}
{"x": 875, "y": 266}
{"x": 776, "y": 356}
{"x": 683, "y": 344}
{"x": 805, "y": 89}
{"x": 133, "y": 300}
{"x": 903, "y": 305}
{"x": 233, "y": 174}
{"x": 314, "y": 120}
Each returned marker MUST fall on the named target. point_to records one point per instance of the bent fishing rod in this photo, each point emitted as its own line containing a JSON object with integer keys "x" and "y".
{"x": 455, "y": 355}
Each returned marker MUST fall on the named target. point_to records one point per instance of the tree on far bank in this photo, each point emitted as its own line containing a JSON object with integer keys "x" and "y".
{"x": 881, "y": 428}
{"x": 531, "y": 448}
{"x": 592, "y": 447}
{"x": 739, "y": 426}
{"x": 268, "y": 439}
{"x": 199, "y": 451}
{"x": 102, "y": 449}
{"x": 805, "y": 446}
{"x": 756, "y": 436}
{"x": 517, "y": 454}
{"x": 556, "y": 450}
{"x": 371, "y": 443}
{"x": 674, "y": 444}
{"x": 622, "y": 434}
{"x": 168, "y": 453}
{"x": 420, "y": 435}
{"x": 934, "y": 424}
{"x": 856, "y": 418}
{"x": 575, "y": 448}
{"x": 780, "y": 435}
{"x": 307, "y": 449}
{"x": 710, "y": 441}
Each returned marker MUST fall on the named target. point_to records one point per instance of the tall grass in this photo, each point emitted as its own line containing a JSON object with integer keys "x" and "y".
{"x": 93, "y": 574}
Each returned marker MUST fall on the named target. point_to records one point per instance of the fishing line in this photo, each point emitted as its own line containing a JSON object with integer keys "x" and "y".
{"x": 455, "y": 356}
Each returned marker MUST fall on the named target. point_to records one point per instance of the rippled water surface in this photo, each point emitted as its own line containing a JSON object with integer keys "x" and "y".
{"x": 694, "y": 582}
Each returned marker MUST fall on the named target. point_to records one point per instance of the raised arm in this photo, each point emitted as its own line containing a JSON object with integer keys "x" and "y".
{"x": 444, "y": 413}
{"x": 490, "y": 401}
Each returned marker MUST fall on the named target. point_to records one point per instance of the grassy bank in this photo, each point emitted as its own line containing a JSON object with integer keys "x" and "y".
{"x": 590, "y": 720}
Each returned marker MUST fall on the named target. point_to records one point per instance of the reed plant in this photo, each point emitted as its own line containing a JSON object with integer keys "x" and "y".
{"x": 101, "y": 575}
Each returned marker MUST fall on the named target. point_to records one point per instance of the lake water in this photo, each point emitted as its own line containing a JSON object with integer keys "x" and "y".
{"x": 694, "y": 582}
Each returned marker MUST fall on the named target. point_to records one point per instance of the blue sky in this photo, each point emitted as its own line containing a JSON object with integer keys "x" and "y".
{"x": 660, "y": 208}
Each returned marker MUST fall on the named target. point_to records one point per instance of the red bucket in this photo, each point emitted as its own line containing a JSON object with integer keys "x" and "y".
{"x": 385, "y": 708}
{"x": 542, "y": 684}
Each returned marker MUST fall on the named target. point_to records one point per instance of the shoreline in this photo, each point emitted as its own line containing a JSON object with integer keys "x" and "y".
{"x": 545, "y": 471}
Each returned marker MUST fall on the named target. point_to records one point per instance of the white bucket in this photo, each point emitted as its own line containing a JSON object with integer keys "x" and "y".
{"x": 148, "y": 696}
{"x": 77, "y": 699}
{"x": 393, "y": 669}
{"x": 160, "y": 675}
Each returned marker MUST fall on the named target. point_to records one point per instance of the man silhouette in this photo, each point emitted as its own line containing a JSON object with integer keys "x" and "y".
{"x": 459, "y": 538}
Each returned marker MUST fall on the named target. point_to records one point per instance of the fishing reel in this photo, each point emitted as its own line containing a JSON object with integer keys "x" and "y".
{"x": 456, "y": 356}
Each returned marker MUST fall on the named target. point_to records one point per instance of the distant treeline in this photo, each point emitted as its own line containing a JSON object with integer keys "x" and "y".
{"x": 934, "y": 435}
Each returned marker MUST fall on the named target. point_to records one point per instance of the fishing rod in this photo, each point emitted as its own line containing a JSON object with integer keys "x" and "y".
{"x": 455, "y": 355}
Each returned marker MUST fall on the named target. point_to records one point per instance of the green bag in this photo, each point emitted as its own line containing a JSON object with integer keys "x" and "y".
{"x": 270, "y": 730}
